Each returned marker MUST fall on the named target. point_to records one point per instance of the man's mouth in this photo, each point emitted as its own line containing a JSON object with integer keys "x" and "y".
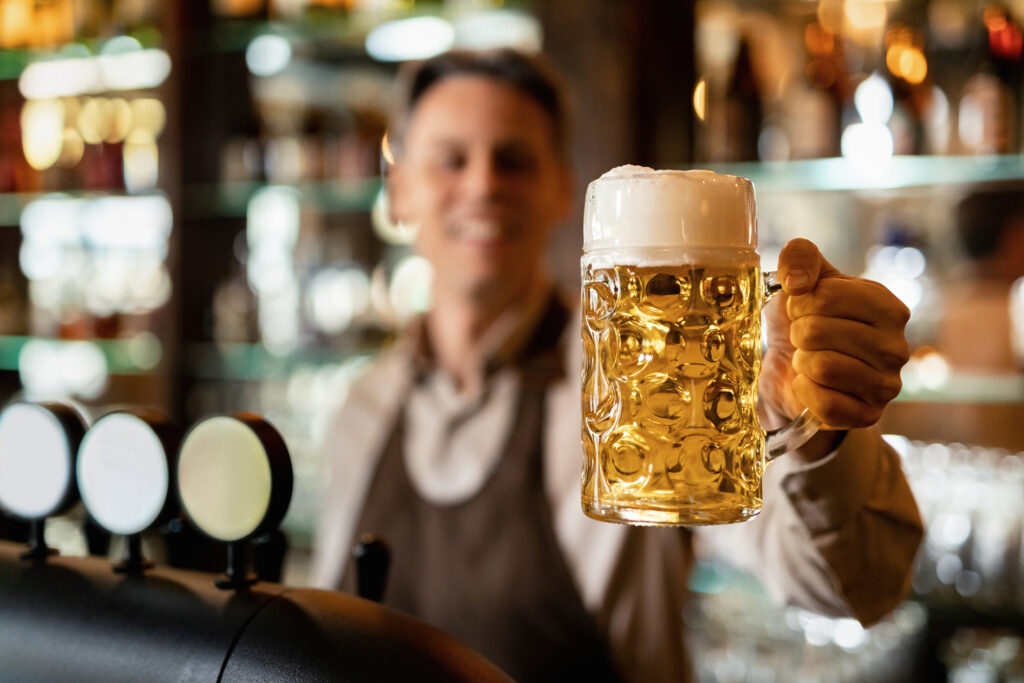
{"x": 479, "y": 230}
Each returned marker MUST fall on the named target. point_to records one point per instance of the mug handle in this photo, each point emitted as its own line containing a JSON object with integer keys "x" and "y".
{"x": 805, "y": 425}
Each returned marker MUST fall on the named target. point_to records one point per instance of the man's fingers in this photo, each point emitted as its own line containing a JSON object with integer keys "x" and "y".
{"x": 801, "y": 265}
{"x": 883, "y": 352}
{"x": 839, "y": 372}
{"x": 852, "y": 298}
{"x": 836, "y": 409}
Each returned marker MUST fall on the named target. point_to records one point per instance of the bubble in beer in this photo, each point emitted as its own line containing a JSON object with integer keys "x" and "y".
{"x": 665, "y": 397}
{"x": 751, "y": 460}
{"x": 601, "y": 404}
{"x": 673, "y": 461}
{"x": 634, "y": 345}
{"x": 664, "y": 295}
{"x": 749, "y": 346}
{"x": 627, "y": 459}
{"x": 695, "y": 453}
{"x": 606, "y": 355}
{"x": 690, "y": 365}
{"x": 589, "y": 458}
{"x": 720, "y": 404}
{"x": 589, "y": 354}
{"x": 599, "y": 294}
{"x": 713, "y": 458}
{"x": 675, "y": 345}
{"x": 632, "y": 401}
{"x": 721, "y": 291}
{"x": 712, "y": 344}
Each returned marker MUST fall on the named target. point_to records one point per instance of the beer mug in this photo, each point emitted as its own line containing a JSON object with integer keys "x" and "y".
{"x": 671, "y": 299}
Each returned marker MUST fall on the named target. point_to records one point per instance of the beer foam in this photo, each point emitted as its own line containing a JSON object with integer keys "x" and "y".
{"x": 635, "y": 206}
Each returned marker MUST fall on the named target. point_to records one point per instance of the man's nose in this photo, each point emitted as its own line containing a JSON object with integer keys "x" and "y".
{"x": 482, "y": 178}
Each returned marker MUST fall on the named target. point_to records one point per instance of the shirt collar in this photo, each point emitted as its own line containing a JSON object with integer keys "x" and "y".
{"x": 500, "y": 346}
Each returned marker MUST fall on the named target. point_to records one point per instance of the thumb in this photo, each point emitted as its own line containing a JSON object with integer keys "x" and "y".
{"x": 801, "y": 265}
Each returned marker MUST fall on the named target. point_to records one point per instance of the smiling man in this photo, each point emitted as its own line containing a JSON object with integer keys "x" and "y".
{"x": 460, "y": 447}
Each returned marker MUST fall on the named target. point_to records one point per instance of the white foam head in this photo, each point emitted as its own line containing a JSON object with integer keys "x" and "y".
{"x": 635, "y": 206}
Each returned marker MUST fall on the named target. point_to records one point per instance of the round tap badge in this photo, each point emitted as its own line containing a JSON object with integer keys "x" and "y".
{"x": 123, "y": 470}
{"x": 38, "y": 445}
{"x": 234, "y": 477}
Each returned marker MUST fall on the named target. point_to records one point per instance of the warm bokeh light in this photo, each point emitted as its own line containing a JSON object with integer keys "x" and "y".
{"x": 821, "y": 73}
{"x": 95, "y": 120}
{"x": 237, "y": 8}
{"x": 831, "y": 15}
{"x": 149, "y": 114}
{"x": 818, "y": 40}
{"x": 120, "y": 120}
{"x": 1004, "y": 36}
{"x": 913, "y": 66}
{"x": 15, "y": 23}
{"x": 907, "y": 62}
{"x": 994, "y": 18}
{"x": 904, "y": 56}
{"x": 385, "y": 150}
{"x": 865, "y": 15}
{"x": 141, "y": 160}
{"x": 700, "y": 99}
{"x": 34, "y": 24}
{"x": 72, "y": 148}
{"x": 42, "y": 128}
{"x": 901, "y": 34}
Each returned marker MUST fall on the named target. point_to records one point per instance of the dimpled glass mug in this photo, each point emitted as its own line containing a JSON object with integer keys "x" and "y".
{"x": 671, "y": 298}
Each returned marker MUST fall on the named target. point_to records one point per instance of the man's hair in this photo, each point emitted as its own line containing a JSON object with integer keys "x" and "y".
{"x": 530, "y": 75}
{"x": 985, "y": 214}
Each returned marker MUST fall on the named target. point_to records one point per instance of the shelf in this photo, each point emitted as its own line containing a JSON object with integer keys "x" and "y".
{"x": 253, "y": 362}
{"x": 896, "y": 173}
{"x": 12, "y": 204}
{"x": 970, "y": 388}
{"x": 332, "y": 196}
{"x": 138, "y": 356}
{"x": 228, "y": 199}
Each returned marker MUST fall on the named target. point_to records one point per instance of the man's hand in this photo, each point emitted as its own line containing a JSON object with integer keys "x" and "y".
{"x": 835, "y": 343}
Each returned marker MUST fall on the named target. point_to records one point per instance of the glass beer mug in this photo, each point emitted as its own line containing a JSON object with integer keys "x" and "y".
{"x": 671, "y": 298}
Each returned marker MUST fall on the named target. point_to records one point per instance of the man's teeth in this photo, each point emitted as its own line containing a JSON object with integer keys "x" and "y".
{"x": 480, "y": 230}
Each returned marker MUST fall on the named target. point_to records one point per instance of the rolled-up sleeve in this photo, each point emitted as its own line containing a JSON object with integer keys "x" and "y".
{"x": 838, "y": 536}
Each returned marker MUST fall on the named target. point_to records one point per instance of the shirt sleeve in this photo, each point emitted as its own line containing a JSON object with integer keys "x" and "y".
{"x": 837, "y": 536}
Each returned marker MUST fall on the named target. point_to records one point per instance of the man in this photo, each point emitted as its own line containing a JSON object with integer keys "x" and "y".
{"x": 461, "y": 447}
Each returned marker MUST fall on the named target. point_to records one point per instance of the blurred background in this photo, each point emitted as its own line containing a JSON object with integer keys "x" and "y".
{"x": 191, "y": 218}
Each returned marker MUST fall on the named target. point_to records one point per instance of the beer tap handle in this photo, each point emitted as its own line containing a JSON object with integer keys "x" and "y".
{"x": 37, "y": 548}
{"x": 373, "y": 559}
{"x": 133, "y": 561}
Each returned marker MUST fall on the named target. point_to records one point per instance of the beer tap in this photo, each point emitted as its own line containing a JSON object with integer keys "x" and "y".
{"x": 38, "y": 448}
{"x": 373, "y": 560}
{"x": 124, "y": 475}
{"x": 234, "y": 478}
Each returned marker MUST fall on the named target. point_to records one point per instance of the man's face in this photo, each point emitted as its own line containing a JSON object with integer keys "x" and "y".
{"x": 480, "y": 177}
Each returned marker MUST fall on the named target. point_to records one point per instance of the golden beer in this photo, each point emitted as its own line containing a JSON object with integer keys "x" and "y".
{"x": 671, "y": 299}
{"x": 671, "y": 359}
